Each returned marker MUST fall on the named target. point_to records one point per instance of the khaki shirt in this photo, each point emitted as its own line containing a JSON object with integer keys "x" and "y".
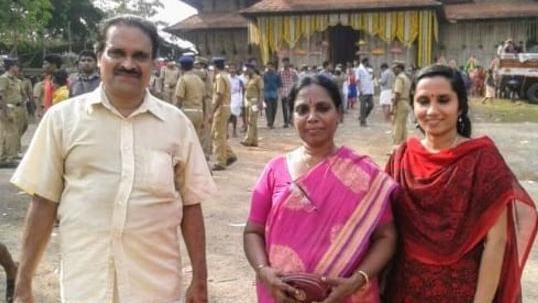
{"x": 38, "y": 92}
{"x": 191, "y": 89}
{"x": 402, "y": 85}
{"x": 253, "y": 88}
{"x": 27, "y": 89}
{"x": 203, "y": 74}
{"x": 222, "y": 86}
{"x": 170, "y": 76}
{"x": 11, "y": 89}
{"x": 121, "y": 184}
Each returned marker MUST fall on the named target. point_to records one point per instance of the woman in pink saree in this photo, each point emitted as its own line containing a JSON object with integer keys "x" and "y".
{"x": 320, "y": 209}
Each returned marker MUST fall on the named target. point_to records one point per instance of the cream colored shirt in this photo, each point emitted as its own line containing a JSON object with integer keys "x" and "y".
{"x": 121, "y": 184}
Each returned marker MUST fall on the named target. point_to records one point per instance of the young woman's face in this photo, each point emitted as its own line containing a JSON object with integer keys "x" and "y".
{"x": 315, "y": 115}
{"x": 436, "y": 106}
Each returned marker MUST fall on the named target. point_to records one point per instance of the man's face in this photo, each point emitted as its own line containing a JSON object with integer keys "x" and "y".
{"x": 87, "y": 64}
{"x": 286, "y": 64}
{"x": 126, "y": 62}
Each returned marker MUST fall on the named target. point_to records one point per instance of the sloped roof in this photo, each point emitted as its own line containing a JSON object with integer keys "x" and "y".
{"x": 497, "y": 9}
{"x": 299, "y": 6}
{"x": 214, "y": 20}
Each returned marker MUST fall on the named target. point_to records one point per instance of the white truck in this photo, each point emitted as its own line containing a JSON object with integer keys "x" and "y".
{"x": 518, "y": 73}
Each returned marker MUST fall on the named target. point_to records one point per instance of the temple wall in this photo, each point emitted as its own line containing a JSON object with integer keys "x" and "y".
{"x": 460, "y": 40}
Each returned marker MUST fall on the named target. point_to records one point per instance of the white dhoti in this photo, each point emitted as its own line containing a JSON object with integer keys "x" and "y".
{"x": 385, "y": 98}
{"x": 236, "y": 103}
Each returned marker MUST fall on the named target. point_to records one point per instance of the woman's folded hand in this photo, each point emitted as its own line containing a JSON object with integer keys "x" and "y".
{"x": 279, "y": 290}
{"x": 343, "y": 288}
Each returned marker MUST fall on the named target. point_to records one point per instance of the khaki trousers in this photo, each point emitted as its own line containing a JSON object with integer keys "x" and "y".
{"x": 401, "y": 111}
{"x": 252, "y": 111}
{"x": 10, "y": 138}
{"x": 197, "y": 119}
{"x": 169, "y": 94}
{"x": 221, "y": 148}
{"x": 207, "y": 137}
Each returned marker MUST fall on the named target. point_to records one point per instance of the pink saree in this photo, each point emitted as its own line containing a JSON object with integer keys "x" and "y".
{"x": 322, "y": 222}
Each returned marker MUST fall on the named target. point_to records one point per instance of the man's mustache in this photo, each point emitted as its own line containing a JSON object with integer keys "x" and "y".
{"x": 127, "y": 72}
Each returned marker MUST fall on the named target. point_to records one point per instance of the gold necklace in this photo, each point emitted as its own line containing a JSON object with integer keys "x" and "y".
{"x": 308, "y": 163}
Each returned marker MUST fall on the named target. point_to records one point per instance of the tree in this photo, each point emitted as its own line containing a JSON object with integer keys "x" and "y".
{"x": 22, "y": 20}
{"x": 142, "y": 8}
{"x": 74, "y": 21}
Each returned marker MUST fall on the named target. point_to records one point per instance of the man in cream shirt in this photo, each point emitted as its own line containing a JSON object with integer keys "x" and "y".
{"x": 123, "y": 172}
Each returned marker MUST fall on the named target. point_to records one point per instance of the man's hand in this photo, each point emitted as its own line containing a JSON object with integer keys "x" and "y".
{"x": 197, "y": 292}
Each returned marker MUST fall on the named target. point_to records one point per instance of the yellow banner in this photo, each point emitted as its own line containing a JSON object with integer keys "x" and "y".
{"x": 272, "y": 33}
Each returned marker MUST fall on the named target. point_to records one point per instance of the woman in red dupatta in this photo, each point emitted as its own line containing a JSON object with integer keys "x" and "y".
{"x": 466, "y": 225}
{"x": 320, "y": 210}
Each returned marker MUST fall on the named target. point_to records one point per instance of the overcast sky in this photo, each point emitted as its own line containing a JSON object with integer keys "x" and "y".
{"x": 174, "y": 11}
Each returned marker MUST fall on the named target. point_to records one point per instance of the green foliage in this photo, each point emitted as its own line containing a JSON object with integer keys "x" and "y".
{"x": 22, "y": 20}
{"x": 74, "y": 19}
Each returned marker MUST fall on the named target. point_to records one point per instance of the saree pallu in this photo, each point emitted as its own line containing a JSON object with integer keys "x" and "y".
{"x": 450, "y": 201}
{"x": 323, "y": 221}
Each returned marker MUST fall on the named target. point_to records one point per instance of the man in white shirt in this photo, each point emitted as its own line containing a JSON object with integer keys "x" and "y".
{"x": 366, "y": 89}
{"x": 123, "y": 172}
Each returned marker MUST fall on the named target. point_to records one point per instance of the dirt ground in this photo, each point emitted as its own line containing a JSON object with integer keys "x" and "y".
{"x": 230, "y": 278}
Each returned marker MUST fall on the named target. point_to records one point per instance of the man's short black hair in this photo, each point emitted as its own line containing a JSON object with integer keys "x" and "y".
{"x": 8, "y": 63}
{"x": 87, "y": 53}
{"x": 145, "y": 26}
{"x": 54, "y": 59}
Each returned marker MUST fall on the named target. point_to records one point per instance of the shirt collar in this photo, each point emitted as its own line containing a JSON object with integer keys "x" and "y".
{"x": 150, "y": 104}
{"x": 90, "y": 77}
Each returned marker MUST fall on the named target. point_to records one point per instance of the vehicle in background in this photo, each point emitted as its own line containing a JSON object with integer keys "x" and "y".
{"x": 518, "y": 74}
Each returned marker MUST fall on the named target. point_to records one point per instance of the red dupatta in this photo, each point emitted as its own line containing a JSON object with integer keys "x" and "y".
{"x": 451, "y": 199}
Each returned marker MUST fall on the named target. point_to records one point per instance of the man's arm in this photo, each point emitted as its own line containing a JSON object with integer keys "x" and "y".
{"x": 193, "y": 231}
{"x": 38, "y": 226}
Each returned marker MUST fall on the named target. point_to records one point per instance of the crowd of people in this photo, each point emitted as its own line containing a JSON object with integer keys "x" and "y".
{"x": 123, "y": 172}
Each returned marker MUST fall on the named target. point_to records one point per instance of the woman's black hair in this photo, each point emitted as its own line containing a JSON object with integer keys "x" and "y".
{"x": 458, "y": 86}
{"x": 59, "y": 77}
{"x": 328, "y": 84}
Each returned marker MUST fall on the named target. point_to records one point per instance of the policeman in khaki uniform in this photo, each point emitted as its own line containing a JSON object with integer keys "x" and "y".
{"x": 200, "y": 69}
{"x": 13, "y": 113}
{"x": 190, "y": 91}
{"x": 400, "y": 103}
{"x": 222, "y": 96}
{"x": 253, "y": 97}
{"x": 170, "y": 75}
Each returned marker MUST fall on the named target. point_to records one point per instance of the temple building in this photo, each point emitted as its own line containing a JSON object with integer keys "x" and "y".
{"x": 218, "y": 29}
{"x": 312, "y": 31}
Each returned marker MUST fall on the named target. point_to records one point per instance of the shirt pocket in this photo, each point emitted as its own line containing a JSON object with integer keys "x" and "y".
{"x": 158, "y": 174}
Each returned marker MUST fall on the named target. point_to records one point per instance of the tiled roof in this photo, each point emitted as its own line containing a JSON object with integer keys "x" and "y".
{"x": 209, "y": 21}
{"x": 297, "y": 6}
{"x": 491, "y": 10}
